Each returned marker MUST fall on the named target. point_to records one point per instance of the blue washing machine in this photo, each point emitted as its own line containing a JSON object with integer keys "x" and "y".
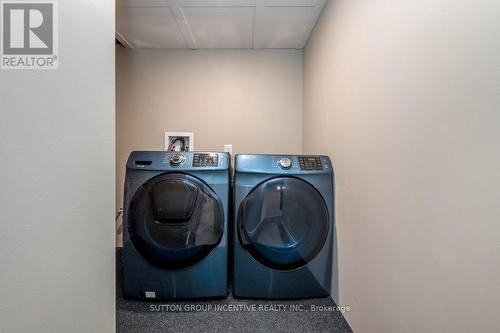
{"x": 175, "y": 225}
{"x": 284, "y": 226}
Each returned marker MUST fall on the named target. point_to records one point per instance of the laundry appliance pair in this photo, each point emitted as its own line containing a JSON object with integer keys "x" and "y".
{"x": 186, "y": 222}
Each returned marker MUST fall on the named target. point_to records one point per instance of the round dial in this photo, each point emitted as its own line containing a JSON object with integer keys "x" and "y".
{"x": 176, "y": 159}
{"x": 285, "y": 162}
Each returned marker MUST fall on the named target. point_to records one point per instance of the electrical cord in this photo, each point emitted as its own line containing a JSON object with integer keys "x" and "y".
{"x": 174, "y": 140}
{"x": 118, "y": 225}
{"x": 118, "y": 213}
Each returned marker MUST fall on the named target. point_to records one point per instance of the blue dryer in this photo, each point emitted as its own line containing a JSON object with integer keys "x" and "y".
{"x": 284, "y": 226}
{"x": 175, "y": 225}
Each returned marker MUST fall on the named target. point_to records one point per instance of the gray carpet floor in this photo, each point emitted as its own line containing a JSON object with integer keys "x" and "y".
{"x": 226, "y": 315}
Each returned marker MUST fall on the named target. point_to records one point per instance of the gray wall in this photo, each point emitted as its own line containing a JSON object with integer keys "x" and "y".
{"x": 250, "y": 99}
{"x": 405, "y": 95}
{"x": 57, "y": 182}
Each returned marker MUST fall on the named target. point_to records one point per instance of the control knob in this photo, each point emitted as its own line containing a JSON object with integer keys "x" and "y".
{"x": 176, "y": 159}
{"x": 285, "y": 163}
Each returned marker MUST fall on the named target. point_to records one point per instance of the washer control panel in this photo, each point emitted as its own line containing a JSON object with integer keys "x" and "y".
{"x": 310, "y": 163}
{"x": 205, "y": 160}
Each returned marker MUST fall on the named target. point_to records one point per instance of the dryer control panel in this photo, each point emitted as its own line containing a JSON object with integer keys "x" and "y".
{"x": 283, "y": 164}
{"x": 310, "y": 163}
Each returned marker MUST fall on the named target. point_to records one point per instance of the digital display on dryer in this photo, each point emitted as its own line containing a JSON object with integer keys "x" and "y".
{"x": 310, "y": 163}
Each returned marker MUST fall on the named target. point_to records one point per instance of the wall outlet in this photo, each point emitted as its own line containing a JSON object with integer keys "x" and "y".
{"x": 228, "y": 149}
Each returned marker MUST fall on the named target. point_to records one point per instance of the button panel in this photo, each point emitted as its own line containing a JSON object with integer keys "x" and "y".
{"x": 310, "y": 163}
{"x": 205, "y": 160}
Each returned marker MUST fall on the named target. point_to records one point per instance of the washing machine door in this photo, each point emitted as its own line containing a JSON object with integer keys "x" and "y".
{"x": 175, "y": 220}
{"x": 283, "y": 223}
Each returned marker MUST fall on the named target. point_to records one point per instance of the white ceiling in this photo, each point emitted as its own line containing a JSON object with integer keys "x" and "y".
{"x": 200, "y": 24}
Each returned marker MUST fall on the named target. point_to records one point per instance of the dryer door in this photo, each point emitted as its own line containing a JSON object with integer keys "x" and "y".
{"x": 175, "y": 220}
{"x": 283, "y": 223}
